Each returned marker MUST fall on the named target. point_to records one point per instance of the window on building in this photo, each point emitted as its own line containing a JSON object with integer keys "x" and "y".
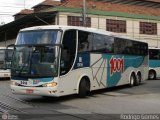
{"x": 78, "y": 21}
{"x": 118, "y": 26}
{"x": 148, "y": 28}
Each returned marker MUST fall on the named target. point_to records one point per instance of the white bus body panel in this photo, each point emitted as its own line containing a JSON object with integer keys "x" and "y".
{"x": 5, "y": 73}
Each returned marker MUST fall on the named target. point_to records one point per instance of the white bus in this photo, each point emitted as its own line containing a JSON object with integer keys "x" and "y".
{"x": 154, "y": 63}
{"x": 63, "y": 60}
{"x": 5, "y": 62}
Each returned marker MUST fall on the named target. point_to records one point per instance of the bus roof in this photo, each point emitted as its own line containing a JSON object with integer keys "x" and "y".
{"x": 66, "y": 28}
{"x": 94, "y": 30}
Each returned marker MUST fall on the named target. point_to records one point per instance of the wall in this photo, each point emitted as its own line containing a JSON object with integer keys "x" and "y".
{"x": 100, "y": 23}
{"x": 8, "y": 42}
{"x": 132, "y": 27}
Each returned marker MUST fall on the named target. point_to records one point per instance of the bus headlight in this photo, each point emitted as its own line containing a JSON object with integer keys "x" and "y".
{"x": 53, "y": 84}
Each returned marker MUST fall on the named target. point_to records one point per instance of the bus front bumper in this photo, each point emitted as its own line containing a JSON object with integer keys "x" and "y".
{"x": 41, "y": 91}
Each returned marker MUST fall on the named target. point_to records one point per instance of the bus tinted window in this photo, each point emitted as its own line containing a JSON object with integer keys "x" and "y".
{"x": 121, "y": 46}
{"x": 85, "y": 41}
{"x": 38, "y": 37}
{"x": 141, "y": 48}
{"x": 103, "y": 43}
{"x": 99, "y": 43}
{"x": 95, "y": 42}
{"x": 129, "y": 47}
{"x": 154, "y": 54}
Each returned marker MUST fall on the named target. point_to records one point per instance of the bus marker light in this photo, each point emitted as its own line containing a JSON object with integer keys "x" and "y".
{"x": 36, "y": 81}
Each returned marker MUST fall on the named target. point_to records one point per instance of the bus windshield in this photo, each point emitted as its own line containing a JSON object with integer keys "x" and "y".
{"x": 2, "y": 58}
{"x": 35, "y": 61}
{"x": 35, "y": 53}
{"x": 38, "y": 37}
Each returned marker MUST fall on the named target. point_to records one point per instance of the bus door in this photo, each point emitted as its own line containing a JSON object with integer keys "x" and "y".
{"x": 68, "y": 53}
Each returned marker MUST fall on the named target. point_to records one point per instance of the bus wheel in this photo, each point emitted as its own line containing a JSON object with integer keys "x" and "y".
{"x": 139, "y": 78}
{"x": 83, "y": 88}
{"x": 152, "y": 75}
{"x": 132, "y": 80}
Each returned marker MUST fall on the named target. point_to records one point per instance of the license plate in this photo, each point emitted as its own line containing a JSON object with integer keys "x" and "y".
{"x": 5, "y": 75}
{"x": 29, "y": 91}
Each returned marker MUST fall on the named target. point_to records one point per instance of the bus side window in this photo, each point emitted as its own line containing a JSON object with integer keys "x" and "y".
{"x": 85, "y": 41}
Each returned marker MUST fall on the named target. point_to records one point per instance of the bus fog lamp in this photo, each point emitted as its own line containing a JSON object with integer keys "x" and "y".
{"x": 14, "y": 83}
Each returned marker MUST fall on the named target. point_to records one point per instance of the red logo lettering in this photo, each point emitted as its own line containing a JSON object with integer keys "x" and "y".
{"x": 116, "y": 65}
{"x": 36, "y": 81}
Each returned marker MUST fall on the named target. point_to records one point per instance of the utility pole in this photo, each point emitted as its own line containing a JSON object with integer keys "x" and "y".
{"x": 84, "y": 13}
{"x": 24, "y": 4}
{"x": 5, "y": 38}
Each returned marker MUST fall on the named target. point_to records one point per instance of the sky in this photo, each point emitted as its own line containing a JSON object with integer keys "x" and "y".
{"x": 10, "y": 7}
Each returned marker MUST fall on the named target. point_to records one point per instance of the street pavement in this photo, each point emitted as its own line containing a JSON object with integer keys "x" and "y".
{"x": 113, "y": 103}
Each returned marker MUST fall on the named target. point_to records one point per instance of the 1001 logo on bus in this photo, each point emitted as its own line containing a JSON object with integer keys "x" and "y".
{"x": 116, "y": 65}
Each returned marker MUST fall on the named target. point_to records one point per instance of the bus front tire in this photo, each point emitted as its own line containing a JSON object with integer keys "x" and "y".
{"x": 152, "y": 75}
{"x": 83, "y": 88}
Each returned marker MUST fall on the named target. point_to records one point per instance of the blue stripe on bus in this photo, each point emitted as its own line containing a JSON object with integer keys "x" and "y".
{"x": 129, "y": 61}
{"x": 83, "y": 60}
{"x": 154, "y": 63}
{"x": 43, "y": 79}
{"x": 18, "y": 78}
{"x": 39, "y": 79}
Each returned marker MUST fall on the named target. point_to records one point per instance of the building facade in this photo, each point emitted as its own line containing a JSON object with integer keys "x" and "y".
{"x": 137, "y": 19}
{"x": 147, "y": 30}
